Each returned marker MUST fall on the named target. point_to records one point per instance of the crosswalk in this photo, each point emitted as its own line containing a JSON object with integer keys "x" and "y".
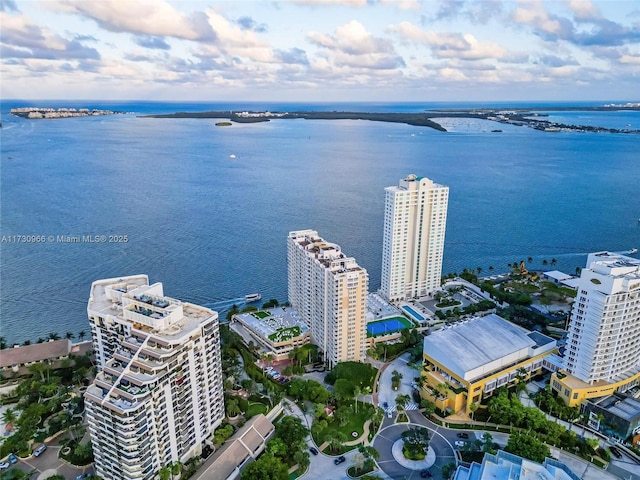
{"x": 409, "y": 406}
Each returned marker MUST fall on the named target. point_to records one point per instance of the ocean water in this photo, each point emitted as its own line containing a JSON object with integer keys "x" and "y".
{"x": 213, "y": 228}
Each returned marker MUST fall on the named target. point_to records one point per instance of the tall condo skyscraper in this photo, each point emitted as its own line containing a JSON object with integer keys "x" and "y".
{"x": 603, "y": 344}
{"x": 329, "y": 292}
{"x": 158, "y": 392}
{"x": 415, "y": 220}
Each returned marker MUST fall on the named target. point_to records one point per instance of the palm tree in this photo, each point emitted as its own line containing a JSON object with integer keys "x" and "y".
{"x": 356, "y": 394}
{"x": 479, "y": 269}
{"x": 9, "y": 416}
{"x": 82, "y": 334}
{"x": 3, "y": 343}
{"x": 490, "y": 267}
{"x": 401, "y": 401}
{"x": 472, "y": 408}
{"x": 176, "y": 468}
{"x": 165, "y": 473}
{"x": 442, "y": 389}
{"x": 69, "y": 335}
{"x": 553, "y": 261}
{"x": 26, "y": 342}
{"x": 529, "y": 259}
{"x": 396, "y": 377}
{"x": 544, "y": 262}
{"x": 53, "y": 336}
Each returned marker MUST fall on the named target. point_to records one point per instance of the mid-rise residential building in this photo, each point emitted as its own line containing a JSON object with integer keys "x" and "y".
{"x": 415, "y": 220}
{"x": 158, "y": 393}
{"x": 329, "y": 292}
{"x": 603, "y": 344}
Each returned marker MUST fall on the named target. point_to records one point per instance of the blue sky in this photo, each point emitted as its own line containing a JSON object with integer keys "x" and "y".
{"x": 320, "y": 50}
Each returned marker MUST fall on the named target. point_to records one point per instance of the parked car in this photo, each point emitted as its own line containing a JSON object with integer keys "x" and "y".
{"x": 459, "y": 444}
{"x": 38, "y": 451}
{"x": 13, "y": 459}
{"x": 4, "y": 465}
{"x": 615, "y": 452}
{"x": 463, "y": 435}
{"x": 426, "y": 473}
{"x": 389, "y": 414}
{"x": 82, "y": 476}
{"x": 314, "y": 450}
{"x": 339, "y": 460}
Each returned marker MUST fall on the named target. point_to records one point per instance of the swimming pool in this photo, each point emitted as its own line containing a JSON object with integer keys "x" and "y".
{"x": 387, "y": 325}
{"x": 413, "y": 313}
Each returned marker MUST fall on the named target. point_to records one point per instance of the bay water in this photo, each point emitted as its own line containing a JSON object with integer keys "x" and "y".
{"x": 206, "y": 210}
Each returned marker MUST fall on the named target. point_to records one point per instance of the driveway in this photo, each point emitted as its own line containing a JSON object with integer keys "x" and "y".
{"x": 385, "y": 439}
{"x": 386, "y": 393}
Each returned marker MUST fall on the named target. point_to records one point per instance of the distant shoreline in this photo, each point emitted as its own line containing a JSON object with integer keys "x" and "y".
{"x": 514, "y": 116}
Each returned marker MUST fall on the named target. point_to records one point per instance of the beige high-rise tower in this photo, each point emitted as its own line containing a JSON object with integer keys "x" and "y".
{"x": 329, "y": 292}
{"x": 415, "y": 220}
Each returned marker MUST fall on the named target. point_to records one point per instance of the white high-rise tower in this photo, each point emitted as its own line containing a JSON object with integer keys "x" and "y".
{"x": 158, "y": 393}
{"x": 329, "y": 291}
{"x": 603, "y": 343}
{"x": 415, "y": 220}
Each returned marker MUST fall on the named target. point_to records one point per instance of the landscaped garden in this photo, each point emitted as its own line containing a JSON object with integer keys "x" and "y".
{"x": 46, "y": 404}
{"x": 284, "y": 334}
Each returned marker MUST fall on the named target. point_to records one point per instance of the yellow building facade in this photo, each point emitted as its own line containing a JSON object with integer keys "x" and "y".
{"x": 466, "y": 363}
{"x": 573, "y": 390}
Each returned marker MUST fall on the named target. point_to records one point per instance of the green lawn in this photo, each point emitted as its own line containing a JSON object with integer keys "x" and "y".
{"x": 255, "y": 408}
{"x": 261, "y": 314}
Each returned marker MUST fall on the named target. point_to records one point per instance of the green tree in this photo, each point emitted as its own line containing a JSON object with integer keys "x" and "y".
{"x": 396, "y": 377}
{"x": 9, "y": 416}
{"x": 291, "y": 430}
{"x": 165, "y": 473}
{"x": 527, "y": 446}
{"x": 343, "y": 389}
{"x": 401, "y": 400}
{"x": 267, "y": 467}
{"x": 448, "y": 470}
{"x": 301, "y": 457}
{"x": 472, "y": 409}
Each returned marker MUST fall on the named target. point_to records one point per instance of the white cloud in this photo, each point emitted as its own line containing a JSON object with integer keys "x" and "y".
{"x": 151, "y": 17}
{"x": 449, "y": 44}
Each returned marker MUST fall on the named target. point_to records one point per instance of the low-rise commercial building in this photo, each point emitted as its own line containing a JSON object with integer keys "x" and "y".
{"x": 507, "y": 466}
{"x": 277, "y": 331}
{"x": 470, "y": 360}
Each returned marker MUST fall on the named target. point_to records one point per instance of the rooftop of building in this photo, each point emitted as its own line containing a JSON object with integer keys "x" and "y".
{"x": 473, "y": 343}
{"x": 557, "y": 275}
{"x": 38, "y": 352}
{"x": 131, "y": 299}
{"x": 622, "y": 406}
{"x": 506, "y": 466}
{"x": 612, "y": 260}
{"x": 246, "y": 441}
{"x": 277, "y": 319}
{"x": 327, "y": 254}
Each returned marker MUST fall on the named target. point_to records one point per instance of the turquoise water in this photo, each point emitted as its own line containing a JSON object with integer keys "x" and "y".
{"x": 214, "y": 228}
{"x": 413, "y": 313}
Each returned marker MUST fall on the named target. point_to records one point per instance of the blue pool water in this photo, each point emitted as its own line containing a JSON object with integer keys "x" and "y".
{"x": 413, "y": 313}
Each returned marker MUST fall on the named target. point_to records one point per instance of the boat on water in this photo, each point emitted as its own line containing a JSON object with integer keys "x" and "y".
{"x": 633, "y": 250}
{"x": 252, "y": 297}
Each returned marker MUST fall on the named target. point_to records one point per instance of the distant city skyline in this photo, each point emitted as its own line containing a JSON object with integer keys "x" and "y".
{"x": 311, "y": 50}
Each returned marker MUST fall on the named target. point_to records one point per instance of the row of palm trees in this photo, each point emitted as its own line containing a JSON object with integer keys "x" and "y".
{"x": 51, "y": 336}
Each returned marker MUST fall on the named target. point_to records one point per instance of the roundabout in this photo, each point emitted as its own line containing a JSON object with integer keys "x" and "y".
{"x": 392, "y": 461}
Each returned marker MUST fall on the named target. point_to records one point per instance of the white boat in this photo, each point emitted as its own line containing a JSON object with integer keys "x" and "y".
{"x": 252, "y": 297}
{"x": 633, "y": 250}
{"x": 232, "y": 156}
